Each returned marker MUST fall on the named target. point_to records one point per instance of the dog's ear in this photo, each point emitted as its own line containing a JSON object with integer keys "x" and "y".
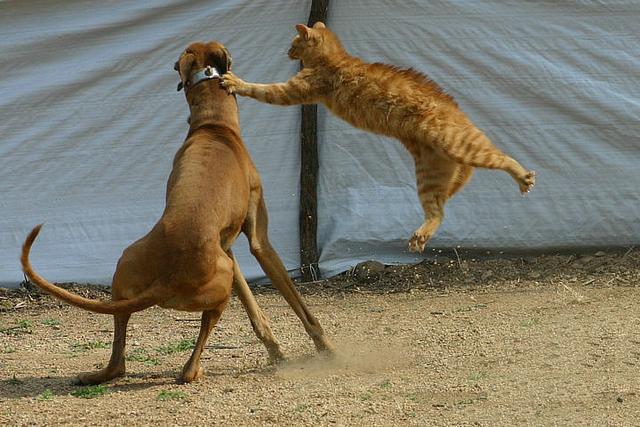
{"x": 183, "y": 66}
{"x": 229, "y": 60}
{"x": 180, "y": 84}
{"x": 220, "y": 59}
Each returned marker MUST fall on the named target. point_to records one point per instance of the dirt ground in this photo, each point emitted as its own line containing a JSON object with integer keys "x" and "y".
{"x": 546, "y": 340}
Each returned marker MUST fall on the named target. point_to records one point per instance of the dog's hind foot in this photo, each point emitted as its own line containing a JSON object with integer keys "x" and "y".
{"x": 190, "y": 375}
{"x": 276, "y": 356}
{"x": 101, "y": 376}
{"x": 324, "y": 346}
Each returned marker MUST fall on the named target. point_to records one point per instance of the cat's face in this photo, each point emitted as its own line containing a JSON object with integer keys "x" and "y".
{"x": 309, "y": 41}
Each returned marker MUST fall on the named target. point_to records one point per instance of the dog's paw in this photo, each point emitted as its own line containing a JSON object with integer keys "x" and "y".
{"x": 98, "y": 377}
{"x": 190, "y": 375}
{"x": 231, "y": 82}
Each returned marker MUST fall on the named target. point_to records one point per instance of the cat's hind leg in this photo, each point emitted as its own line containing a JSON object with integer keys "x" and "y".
{"x": 436, "y": 181}
{"x": 470, "y": 146}
{"x": 460, "y": 178}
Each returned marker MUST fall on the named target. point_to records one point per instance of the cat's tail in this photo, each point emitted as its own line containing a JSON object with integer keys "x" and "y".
{"x": 146, "y": 299}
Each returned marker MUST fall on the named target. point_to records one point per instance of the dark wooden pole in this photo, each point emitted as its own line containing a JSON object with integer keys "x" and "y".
{"x": 309, "y": 173}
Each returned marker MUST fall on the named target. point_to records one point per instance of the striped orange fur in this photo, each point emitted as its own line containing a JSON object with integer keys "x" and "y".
{"x": 400, "y": 103}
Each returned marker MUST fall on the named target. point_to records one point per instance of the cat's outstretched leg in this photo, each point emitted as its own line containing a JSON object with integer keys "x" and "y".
{"x": 437, "y": 179}
{"x": 468, "y": 145}
{"x": 296, "y": 90}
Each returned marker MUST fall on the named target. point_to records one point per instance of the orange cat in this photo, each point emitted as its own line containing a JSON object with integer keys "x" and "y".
{"x": 395, "y": 102}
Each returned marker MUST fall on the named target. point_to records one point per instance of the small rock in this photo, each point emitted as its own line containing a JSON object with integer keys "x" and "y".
{"x": 487, "y": 274}
{"x": 620, "y": 399}
{"x": 600, "y": 253}
{"x": 442, "y": 260}
{"x": 586, "y": 259}
{"x": 368, "y": 271}
{"x": 534, "y": 275}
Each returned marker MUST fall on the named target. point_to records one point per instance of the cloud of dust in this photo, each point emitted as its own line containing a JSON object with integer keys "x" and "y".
{"x": 364, "y": 357}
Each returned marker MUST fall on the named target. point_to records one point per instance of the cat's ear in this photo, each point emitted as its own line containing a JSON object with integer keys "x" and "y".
{"x": 303, "y": 30}
{"x": 319, "y": 25}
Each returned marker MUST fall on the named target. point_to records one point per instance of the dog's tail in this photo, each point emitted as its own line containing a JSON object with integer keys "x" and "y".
{"x": 144, "y": 300}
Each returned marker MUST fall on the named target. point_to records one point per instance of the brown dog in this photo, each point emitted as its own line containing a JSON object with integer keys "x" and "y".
{"x": 185, "y": 261}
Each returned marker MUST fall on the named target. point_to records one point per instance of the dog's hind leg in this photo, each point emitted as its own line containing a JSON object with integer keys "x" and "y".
{"x": 256, "y": 230}
{"x": 116, "y": 366}
{"x": 259, "y": 320}
{"x": 192, "y": 370}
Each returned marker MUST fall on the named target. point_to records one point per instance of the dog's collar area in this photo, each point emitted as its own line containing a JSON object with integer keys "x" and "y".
{"x": 206, "y": 73}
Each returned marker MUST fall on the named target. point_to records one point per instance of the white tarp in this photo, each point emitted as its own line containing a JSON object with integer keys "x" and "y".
{"x": 90, "y": 121}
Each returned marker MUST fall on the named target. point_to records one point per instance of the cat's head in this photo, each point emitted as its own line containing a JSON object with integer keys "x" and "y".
{"x": 313, "y": 42}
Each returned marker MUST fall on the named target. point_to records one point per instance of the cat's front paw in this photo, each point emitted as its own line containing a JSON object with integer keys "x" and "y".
{"x": 526, "y": 182}
{"x": 231, "y": 82}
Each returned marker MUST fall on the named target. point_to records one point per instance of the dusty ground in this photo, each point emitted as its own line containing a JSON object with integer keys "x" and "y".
{"x": 549, "y": 340}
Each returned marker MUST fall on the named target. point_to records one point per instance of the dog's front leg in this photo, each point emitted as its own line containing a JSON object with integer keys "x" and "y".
{"x": 257, "y": 234}
{"x": 116, "y": 366}
{"x": 258, "y": 319}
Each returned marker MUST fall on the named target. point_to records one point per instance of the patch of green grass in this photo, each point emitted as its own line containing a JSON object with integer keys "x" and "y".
{"x": 527, "y": 323}
{"x": 51, "y": 322}
{"x": 472, "y": 399}
{"x": 8, "y": 349}
{"x": 477, "y": 376}
{"x": 14, "y": 381}
{"x": 90, "y": 392}
{"x": 412, "y": 397}
{"x": 91, "y": 345}
{"x": 46, "y": 395}
{"x": 177, "y": 347}
{"x": 366, "y": 396}
{"x": 302, "y": 407}
{"x": 140, "y": 355}
{"x": 23, "y": 327}
{"x": 469, "y": 308}
{"x": 385, "y": 385}
{"x": 171, "y": 395}
{"x": 26, "y": 324}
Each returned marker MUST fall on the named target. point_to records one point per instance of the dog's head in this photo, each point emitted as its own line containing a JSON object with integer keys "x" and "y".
{"x": 198, "y": 56}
